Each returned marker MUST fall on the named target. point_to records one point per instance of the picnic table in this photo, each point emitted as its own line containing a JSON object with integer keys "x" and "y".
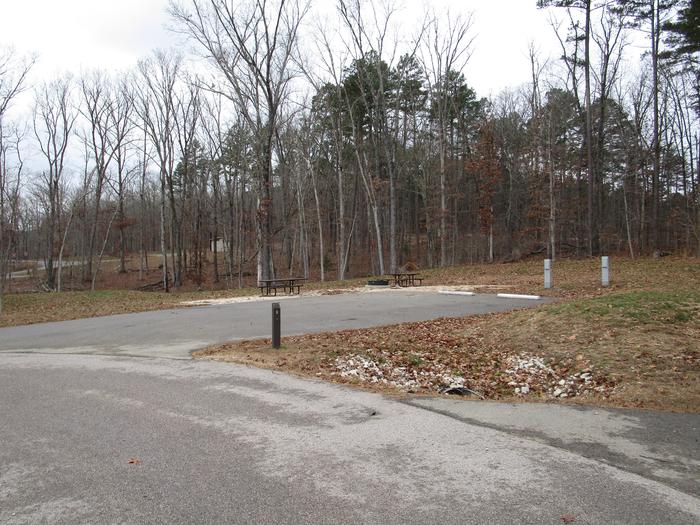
{"x": 406, "y": 278}
{"x": 288, "y": 284}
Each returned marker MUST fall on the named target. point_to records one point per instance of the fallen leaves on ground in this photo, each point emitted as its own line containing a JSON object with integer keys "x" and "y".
{"x": 423, "y": 357}
{"x": 608, "y": 356}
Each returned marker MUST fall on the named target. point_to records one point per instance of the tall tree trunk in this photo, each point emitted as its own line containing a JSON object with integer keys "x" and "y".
{"x": 143, "y": 256}
{"x": 589, "y": 139}
{"x": 340, "y": 183}
{"x": 163, "y": 247}
{"x": 443, "y": 202}
{"x": 60, "y": 252}
{"x": 303, "y": 241}
{"x": 627, "y": 220}
{"x": 264, "y": 213}
{"x": 96, "y": 219}
{"x": 216, "y": 187}
{"x": 122, "y": 225}
{"x": 102, "y": 251}
{"x": 320, "y": 224}
{"x": 552, "y": 215}
{"x": 655, "y": 32}
{"x": 52, "y": 227}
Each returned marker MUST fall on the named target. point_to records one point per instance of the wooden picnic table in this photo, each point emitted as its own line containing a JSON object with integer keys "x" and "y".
{"x": 286, "y": 283}
{"x": 406, "y": 278}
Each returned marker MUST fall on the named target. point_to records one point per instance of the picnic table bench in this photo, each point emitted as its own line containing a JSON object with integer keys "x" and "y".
{"x": 288, "y": 284}
{"x": 406, "y": 279}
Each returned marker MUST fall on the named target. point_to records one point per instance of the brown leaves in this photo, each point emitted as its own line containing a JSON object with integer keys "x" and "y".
{"x": 601, "y": 363}
{"x": 568, "y": 518}
{"x": 134, "y": 461}
{"x": 424, "y": 357}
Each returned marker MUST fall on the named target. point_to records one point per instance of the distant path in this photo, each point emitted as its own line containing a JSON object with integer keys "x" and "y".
{"x": 41, "y": 266}
{"x": 176, "y": 333}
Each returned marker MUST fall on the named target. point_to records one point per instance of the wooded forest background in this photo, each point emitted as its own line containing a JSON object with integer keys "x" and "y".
{"x": 340, "y": 151}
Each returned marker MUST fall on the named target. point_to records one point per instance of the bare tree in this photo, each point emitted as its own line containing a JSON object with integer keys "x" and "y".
{"x": 76, "y": 202}
{"x": 13, "y": 76}
{"x": 10, "y": 200}
{"x": 329, "y": 103}
{"x": 586, "y": 6}
{"x": 610, "y": 41}
{"x": 54, "y": 118}
{"x": 446, "y": 51}
{"x": 106, "y": 107}
{"x": 383, "y": 153}
{"x": 120, "y": 141}
{"x": 156, "y": 112}
{"x": 252, "y": 44}
{"x": 366, "y": 87}
{"x": 187, "y": 115}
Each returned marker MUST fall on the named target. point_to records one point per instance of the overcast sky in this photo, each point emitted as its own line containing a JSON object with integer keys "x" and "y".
{"x": 70, "y": 35}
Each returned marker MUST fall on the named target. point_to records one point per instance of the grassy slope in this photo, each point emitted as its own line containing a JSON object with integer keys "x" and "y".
{"x": 644, "y": 344}
{"x": 640, "y": 337}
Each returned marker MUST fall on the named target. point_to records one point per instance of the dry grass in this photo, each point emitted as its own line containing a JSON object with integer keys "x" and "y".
{"x": 576, "y": 278}
{"x": 645, "y": 345}
{"x": 572, "y": 279}
{"x": 31, "y": 308}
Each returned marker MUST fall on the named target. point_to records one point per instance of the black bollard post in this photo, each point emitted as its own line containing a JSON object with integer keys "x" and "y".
{"x": 276, "y": 321}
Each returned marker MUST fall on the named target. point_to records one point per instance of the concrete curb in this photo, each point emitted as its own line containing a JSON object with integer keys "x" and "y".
{"x": 518, "y": 296}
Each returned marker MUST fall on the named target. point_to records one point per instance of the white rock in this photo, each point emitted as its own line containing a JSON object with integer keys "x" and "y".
{"x": 524, "y": 389}
{"x": 557, "y": 392}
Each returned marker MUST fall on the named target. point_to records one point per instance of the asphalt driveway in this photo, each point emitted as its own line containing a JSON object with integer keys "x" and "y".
{"x": 176, "y": 333}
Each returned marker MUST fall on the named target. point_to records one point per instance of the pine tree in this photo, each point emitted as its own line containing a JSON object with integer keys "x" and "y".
{"x": 684, "y": 31}
{"x": 587, "y": 6}
{"x": 652, "y": 14}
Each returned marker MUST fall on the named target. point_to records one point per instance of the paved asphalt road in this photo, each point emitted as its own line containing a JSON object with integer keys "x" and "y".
{"x": 107, "y": 439}
{"x": 175, "y": 333}
{"x": 215, "y": 443}
{"x": 657, "y": 445}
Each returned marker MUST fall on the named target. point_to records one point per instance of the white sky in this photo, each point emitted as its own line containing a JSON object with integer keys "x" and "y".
{"x": 74, "y": 35}
{"x": 80, "y": 35}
